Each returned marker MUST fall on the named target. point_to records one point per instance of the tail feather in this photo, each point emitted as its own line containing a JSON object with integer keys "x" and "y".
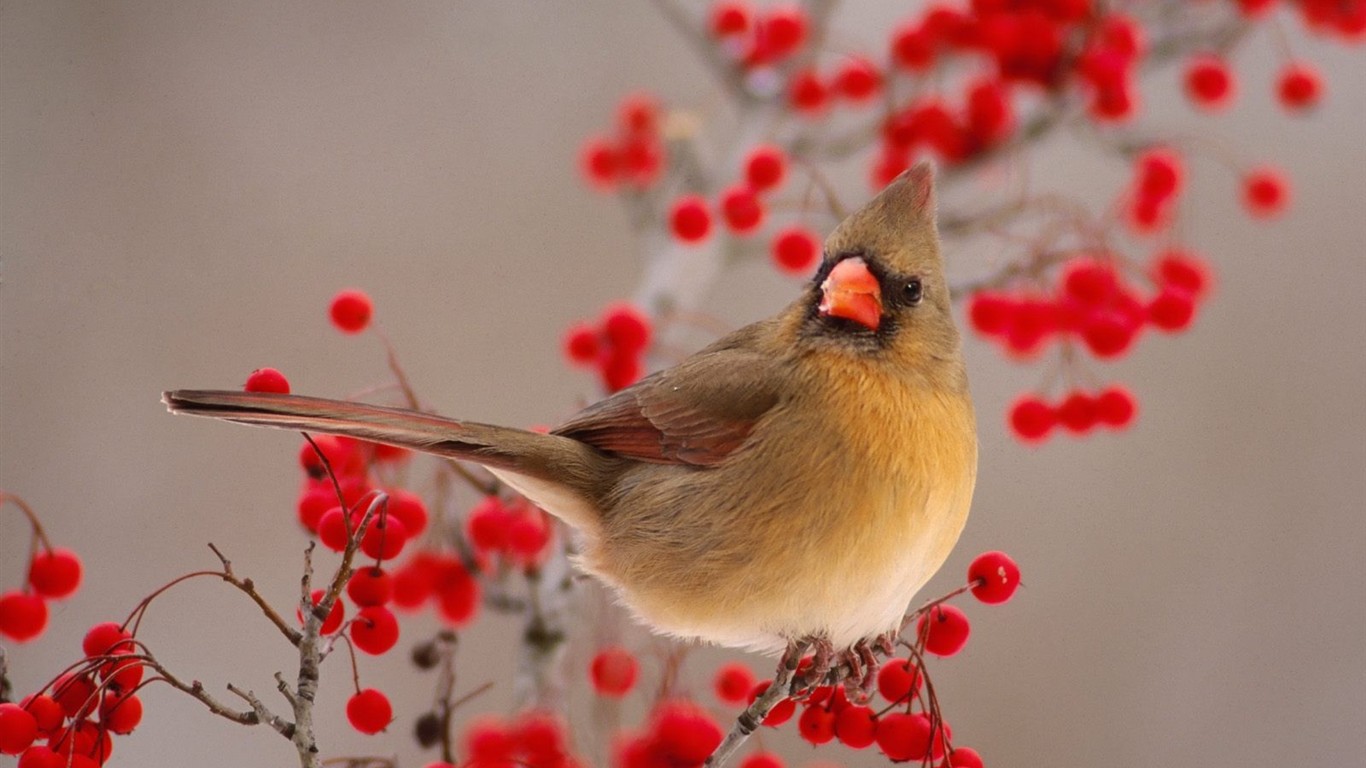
{"x": 512, "y": 453}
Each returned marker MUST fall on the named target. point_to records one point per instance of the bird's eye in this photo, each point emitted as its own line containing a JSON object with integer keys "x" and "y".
{"x": 914, "y": 291}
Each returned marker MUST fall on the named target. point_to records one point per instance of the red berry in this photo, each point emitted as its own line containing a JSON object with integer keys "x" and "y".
{"x": 1077, "y": 412}
{"x": 332, "y": 529}
{"x": 990, "y": 313}
{"x": 22, "y": 617}
{"x": 120, "y": 714}
{"x": 1159, "y": 173}
{"x": 18, "y": 729}
{"x": 384, "y": 538}
{"x": 765, "y": 167}
{"x": 796, "y": 250}
{"x": 1172, "y": 310}
{"x": 1182, "y": 269}
{"x": 582, "y": 344}
{"x": 351, "y": 310}
{"x": 613, "y": 671}
{"x": 1108, "y": 335}
{"x": 343, "y": 454}
{"x": 457, "y": 593}
{"x": 741, "y": 209}
{"x": 600, "y": 163}
{"x": 267, "y": 380}
{"x": 685, "y": 733}
{"x": 913, "y": 48}
{"x": 334, "y": 616}
{"x": 415, "y": 581}
{"x": 816, "y": 725}
{"x": 690, "y": 219}
{"x": 105, "y": 638}
{"x": 375, "y": 630}
{"x": 47, "y": 713}
{"x": 733, "y": 683}
{"x": 856, "y": 726}
{"x": 487, "y": 525}
{"x": 642, "y": 160}
{"x": 857, "y": 79}
{"x": 369, "y": 711}
{"x": 1089, "y": 281}
{"x": 784, "y": 30}
{"x": 781, "y": 712}
{"x": 965, "y": 757}
{"x": 994, "y": 577}
{"x": 729, "y": 18}
{"x": 528, "y": 535}
{"x": 945, "y": 629}
{"x": 762, "y": 760}
{"x": 75, "y": 693}
{"x": 620, "y": 370}
{"x": 1299, "y": 86}
{"x": 1265, "y": 192}
{"x": 1209, "y": 83}
{"x": 1031, "y": 418}
{"x": 370, "y": 586}
{"x": 1115, "y": 407}
{"x": 487, "y": 741}
{"x": 626, "y": 327}
{"x": 898, "y": 680}
{"x": 807, "y": 92}
{"x": 639, "y": 114}
{"x": 41, "y": 756}
{"x": 55, "y": 573}
{"x": 902, "y": 736}
{"x": 409, "y": 509}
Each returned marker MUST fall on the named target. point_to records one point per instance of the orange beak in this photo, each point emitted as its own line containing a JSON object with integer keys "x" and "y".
{"x": 851, "y": 292}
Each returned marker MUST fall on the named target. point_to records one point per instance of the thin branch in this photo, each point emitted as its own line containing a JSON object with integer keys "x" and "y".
{"x": 249, "y": 589}
{"x": 263, "y": 713}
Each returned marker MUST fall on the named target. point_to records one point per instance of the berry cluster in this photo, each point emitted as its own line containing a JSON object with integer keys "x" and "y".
{"x": 1031, "y": 418}
{"x": 615, "y": 345}
{"x": 634, "y": 157}
{"x": 677, "y": 733}
{"x": 54, "y": 573}
{"x": 71, "y": 721}
{"x": 532, "y": 740}
{"x": 518, "y": 532}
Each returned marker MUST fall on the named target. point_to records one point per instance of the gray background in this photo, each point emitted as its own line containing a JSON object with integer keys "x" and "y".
{"x": 185, "y": 185}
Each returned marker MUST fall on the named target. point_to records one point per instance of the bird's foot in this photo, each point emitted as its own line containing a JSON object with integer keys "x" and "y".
{"x": 862, "y": 666}
{"x": 811, "y": 672}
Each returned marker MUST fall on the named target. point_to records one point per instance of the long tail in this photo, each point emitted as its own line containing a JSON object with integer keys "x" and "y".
{"x": 558, "y": 462}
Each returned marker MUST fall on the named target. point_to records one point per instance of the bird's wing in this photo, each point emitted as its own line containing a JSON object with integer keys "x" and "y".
{"x": 697, "y": 412}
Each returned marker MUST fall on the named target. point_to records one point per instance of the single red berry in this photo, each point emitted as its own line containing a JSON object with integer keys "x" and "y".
{"x": 47, "y": 713}
{"x": 601, "y": 163}
{"x": 1031, "y": 418}
{"x": 762, "y": 760}
{"x": 613, "y": 671}
{"x": 1116, "y": 407}
{"x": 18, "y": 729}
{"x": 685, "y": 733}
{"x": 690, "y": 219}
{"x": 781, "y": 712}
{"x": 994, "y": 577}
{"x": 75, "y": 692}
{"x": 314, "y": 501}
{"x": 488, "y": 741}
{"x": 913, "y": 48}
{"x": 385, "y": 538}
{"x": 334, "y": 617}
{"x": 375, "y": 630}
{"x": 55, "y": 573}
{"x": 42, "y": 756}
{"x": 1077, "y": 412}
{"x": 816, "y": 725}
{"x": 729, "y": 18}
{"x": 620, "y": 370}
{"x": 1108, "y": 335}
{"x": 796, "y": 250}
{"x": 856, "y": 726}
{"x": 857, "y": 79}
{"x": 1299, "y": 86}
{"x": 267, "y": 380}
{"x": 343, "y": 454}
{"x": 415, "y": 580}
{"x": 457, "y": 593}
{"x": 370, "y": 586}
{"x": 582, "y": 345}
{"x": 742, "y": 209}
{"x": 1159, "y": 173}
{"x": 784, "y": 29}
{"x": 369, "y": 711}
{"x": 898, "y": 680}
{"x": 639, "y": 114}
{"x": 626, "y": 327}
{"x": 1089, "y": 281}
{"x": 351, "y": 311}
{"x": 902, "y": 736}
{"x": 990, "y": 313}
{"x": 945, "y": 629}
{"x": 1182, "y": 269}
{"x": 1172, "y": 310}
{"x": 807, "y": 92}
{"x": 642, "y": 160}
{"x": 408, "y": 508}
{"x": 765, "y": 167}
{"x": 1209, "y": 82}
{"x": 541, "y": 737}
{"x": 487, "y": 525}
{"x": 22, "y": 617}
{"x": 528, "y": 535}
{"x": 332, "y": 529}
{"x": 1265, "y": 192}
{"x": 123, "y": 672}
{"x": 965, "y": 757}
{"x": 733, "y": 683}
{"x": 120, "y": 714}
{"x": 991, "y": 116}
{"x": 105, "y": 638}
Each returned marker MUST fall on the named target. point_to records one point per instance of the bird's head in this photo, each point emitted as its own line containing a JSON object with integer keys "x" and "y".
{"x": 881, "y": 287}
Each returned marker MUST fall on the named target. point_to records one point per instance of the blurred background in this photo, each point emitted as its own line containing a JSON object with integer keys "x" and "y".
{"x": 185, "y": 185}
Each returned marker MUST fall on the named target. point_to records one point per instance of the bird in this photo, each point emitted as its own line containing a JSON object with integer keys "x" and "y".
{"x": 792, "y": 484}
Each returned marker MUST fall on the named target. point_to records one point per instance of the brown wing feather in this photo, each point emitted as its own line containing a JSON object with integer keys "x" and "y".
{"x": 696, "y": 413}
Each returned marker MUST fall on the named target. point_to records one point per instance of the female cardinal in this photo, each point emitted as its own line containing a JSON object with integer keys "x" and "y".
{"x": 797, "y": 481}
